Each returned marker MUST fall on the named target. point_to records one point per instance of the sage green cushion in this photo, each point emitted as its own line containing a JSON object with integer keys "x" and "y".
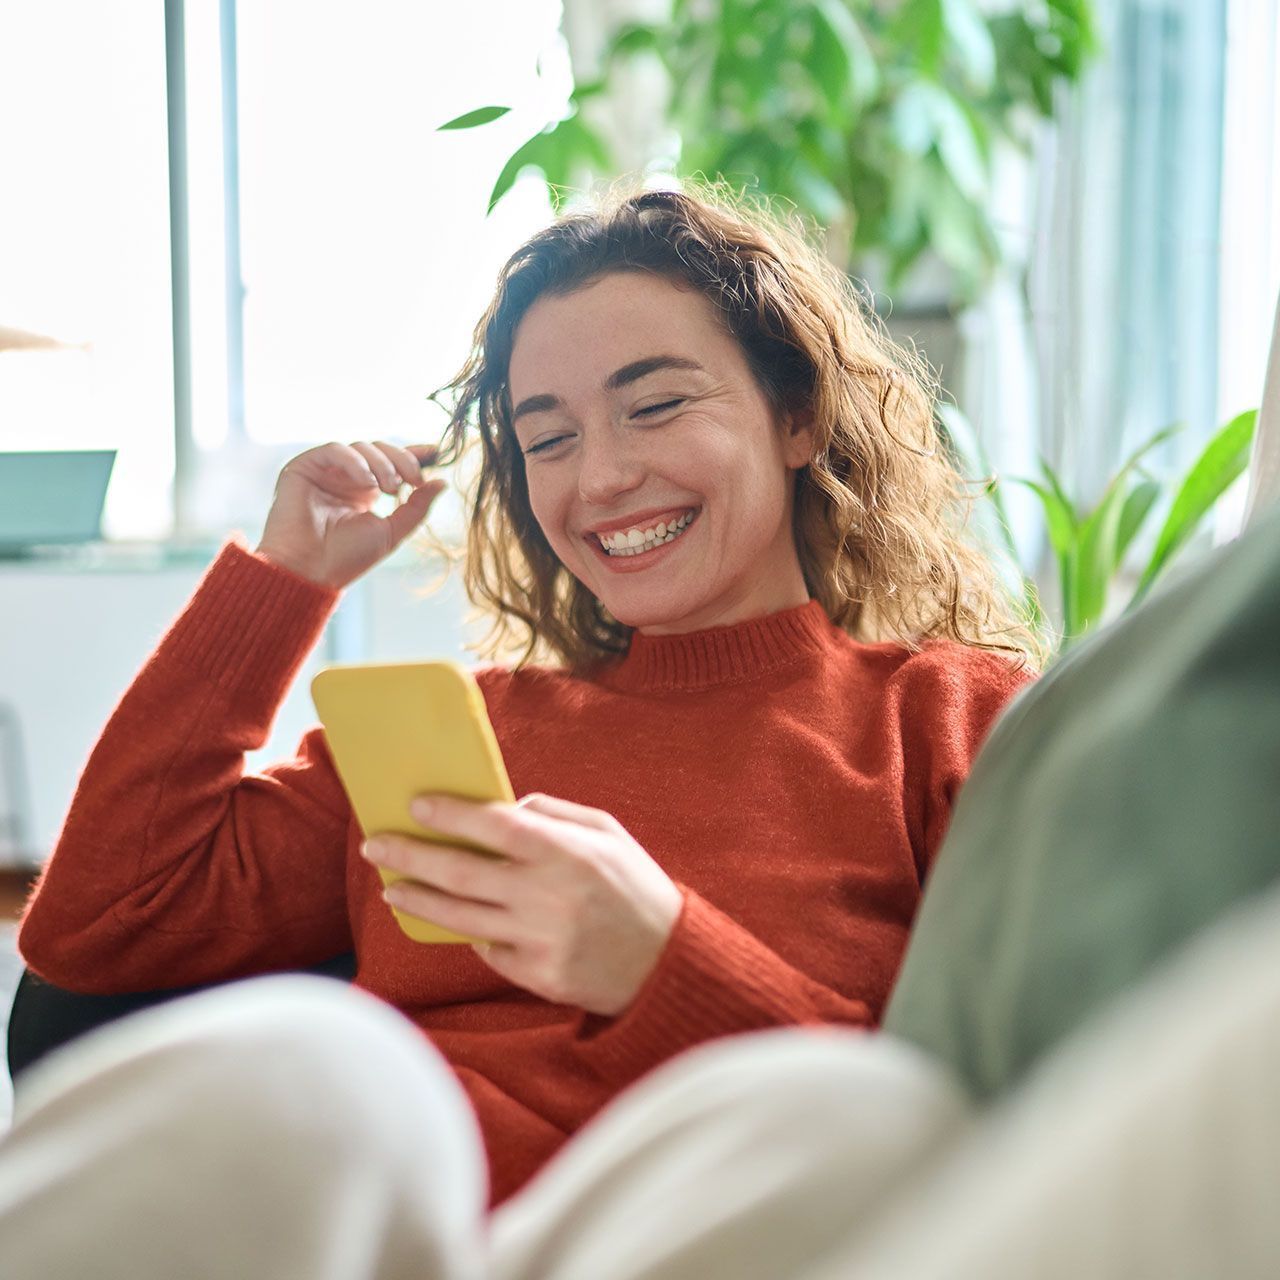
{"x": 1121, "y": 803}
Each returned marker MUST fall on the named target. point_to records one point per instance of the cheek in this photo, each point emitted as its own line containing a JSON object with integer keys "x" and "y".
{"x": 548, "y": 507}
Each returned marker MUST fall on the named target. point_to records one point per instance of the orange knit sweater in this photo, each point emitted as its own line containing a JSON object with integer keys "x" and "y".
{"x": 794, "y": 783}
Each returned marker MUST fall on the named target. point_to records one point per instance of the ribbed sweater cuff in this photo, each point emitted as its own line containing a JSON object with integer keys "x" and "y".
{"x": 250, "y": 624}
{"x": 713, "y": 978}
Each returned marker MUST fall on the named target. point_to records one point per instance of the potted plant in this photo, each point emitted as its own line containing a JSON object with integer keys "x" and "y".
{"x": 879, "y": 121}
{"x": 1090, "y": 544}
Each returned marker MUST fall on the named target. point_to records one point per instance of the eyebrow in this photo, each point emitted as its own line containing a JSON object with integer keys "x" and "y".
{"x": 632, "y": 372}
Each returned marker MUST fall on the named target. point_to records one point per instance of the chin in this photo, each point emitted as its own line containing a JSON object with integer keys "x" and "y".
{"x": 658, "y": 613}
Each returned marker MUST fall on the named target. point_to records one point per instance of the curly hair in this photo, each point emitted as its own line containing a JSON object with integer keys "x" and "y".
{"x": 880, "y": 516}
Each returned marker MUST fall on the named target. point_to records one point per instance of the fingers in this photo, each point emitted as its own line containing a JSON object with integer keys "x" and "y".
{"x": 388, "y": 478}
{"x": 504, "y": 828}
{"x": 464, "y": 873}
{"x": 554, "y": 807}
{"x": 471, "y": 919}
{"x": 424, "y": 454}
{"x": 339, "y": 461}
{"x": 517, "y": 830}
{"x": 410, "y": 513}
{"x": 377, "y": 465}
{"x": 407, "y": 466}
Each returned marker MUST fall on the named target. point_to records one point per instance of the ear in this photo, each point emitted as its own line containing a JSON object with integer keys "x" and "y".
{"x": 798, "y": 431}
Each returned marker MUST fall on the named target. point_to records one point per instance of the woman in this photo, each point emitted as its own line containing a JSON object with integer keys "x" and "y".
{"x": 758, "y": 659}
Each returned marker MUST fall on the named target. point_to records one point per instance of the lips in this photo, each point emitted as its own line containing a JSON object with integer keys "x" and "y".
{"x": 640, "y": 562}
{"x": 639, "y": 520}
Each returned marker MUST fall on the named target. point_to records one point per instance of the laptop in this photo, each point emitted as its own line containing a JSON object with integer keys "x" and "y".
{"x": 52, "y": 498}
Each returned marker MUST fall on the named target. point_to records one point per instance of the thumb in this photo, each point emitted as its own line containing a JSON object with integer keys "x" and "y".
{"x": 409, "y": 514}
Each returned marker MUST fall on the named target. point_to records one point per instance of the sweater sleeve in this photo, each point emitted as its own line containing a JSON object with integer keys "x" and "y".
{"x": 713, "y": 978}
{"x": 948, "y": 698}
{"x": 172, "y": 866}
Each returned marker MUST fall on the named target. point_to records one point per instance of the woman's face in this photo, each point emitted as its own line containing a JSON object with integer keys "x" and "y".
{"x": 641, "y": 424}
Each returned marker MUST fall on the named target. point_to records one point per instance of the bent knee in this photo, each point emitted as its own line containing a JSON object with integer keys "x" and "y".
{"x": 860, "y": 1077}
{"x": 279, "y": 1036}
{"x": 289, "y": 1052}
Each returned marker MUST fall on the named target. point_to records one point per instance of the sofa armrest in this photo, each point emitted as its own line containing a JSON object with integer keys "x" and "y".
{"x": 44, "y": 1017}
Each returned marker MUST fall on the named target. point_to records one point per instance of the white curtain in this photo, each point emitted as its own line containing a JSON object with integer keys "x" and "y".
{"x": 1264, "y": 467}
{"x": 1250, "y": 249}
{"x": 1123, "y": 287}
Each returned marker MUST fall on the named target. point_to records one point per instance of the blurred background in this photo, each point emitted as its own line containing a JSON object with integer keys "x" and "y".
{"x": 230, "y": 232}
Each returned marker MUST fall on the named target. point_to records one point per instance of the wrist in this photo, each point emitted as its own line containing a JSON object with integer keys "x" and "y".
{"x": 293, "y": 565}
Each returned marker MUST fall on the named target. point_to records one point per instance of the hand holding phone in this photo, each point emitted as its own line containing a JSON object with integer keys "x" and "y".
{"x": 398, "y": 730}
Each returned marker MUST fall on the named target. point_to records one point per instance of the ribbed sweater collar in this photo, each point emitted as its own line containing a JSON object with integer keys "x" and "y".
{"x": 721, "y": 655}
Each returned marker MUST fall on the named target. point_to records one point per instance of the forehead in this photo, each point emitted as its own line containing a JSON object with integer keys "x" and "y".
{"x": 587, "y": 334}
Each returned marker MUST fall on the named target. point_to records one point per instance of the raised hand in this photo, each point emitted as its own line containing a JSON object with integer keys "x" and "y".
{"x": 321, "y": 524}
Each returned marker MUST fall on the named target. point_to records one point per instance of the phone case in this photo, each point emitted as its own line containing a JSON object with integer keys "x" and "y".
{"x": 397, "y": 729}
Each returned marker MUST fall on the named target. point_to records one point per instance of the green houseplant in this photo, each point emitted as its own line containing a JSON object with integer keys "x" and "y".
{"x": 1090, "y": 544}
{"x": 878, "y": 120}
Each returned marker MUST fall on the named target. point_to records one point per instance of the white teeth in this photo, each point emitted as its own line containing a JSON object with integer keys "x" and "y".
{"x": 633, "y": 542}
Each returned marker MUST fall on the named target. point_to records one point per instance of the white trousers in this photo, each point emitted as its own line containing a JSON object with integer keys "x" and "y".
{"x": 294, "y": 1127}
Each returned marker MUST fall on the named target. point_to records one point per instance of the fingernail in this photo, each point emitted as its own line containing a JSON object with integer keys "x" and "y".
{"x": 422, "y": 807}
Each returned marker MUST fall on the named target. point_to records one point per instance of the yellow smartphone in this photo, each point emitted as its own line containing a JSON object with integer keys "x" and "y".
{"x": 397, "y": 729}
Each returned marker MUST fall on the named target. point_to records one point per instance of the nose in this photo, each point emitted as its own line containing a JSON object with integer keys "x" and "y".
{"x": 606, "y": 468}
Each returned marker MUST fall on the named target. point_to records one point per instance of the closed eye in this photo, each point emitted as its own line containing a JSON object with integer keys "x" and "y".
{"x": 658, "y": 408}
{"x": 545, "y": 444}
{"x": 648, "y": 409}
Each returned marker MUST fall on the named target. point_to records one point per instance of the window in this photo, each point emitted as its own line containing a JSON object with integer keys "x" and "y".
{"x": 84, "y": 246}
{"x": 316, "y": 180}
{"x": 364, "y": 253}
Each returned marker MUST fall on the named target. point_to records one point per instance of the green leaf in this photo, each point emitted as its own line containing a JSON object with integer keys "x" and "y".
{"x": 1042, "y": 83}
{"x": 1060, "y": 519}
{"x": 912, "y": 119}
{"x": 1074, "y": 22}
{"x": 1137, "y": 506}
{"x": 1142, "y": 450}
{"x": 959, "y": 146}
{"x": 558, "y": 152}
{"x": 1060, "y": 492}
{"x": 636, "y": 37}
{"x": 587, "y": 89}
{"x": 469, "y": 120}
{"x": 1098, "y": 540}
{"x": 532, "y": 153}
{"x": 828, "y": 62}
{"x": 925, "y": 115}
{"x": 950, "y": 218}
{"x": 919, "y": 27}
{"x": 1223, "y": 460}
{"x": 582, "y": 144}
{"x": 863, "y": 69}
{"x": 1097, "y": 537}
{"x": 970, "y": 39}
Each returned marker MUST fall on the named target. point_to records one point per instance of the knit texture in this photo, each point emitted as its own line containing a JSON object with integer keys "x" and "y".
{"x": 794, "y": 783}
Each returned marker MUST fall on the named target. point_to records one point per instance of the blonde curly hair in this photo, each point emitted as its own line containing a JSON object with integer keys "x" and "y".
{"x": 881, "y": 512}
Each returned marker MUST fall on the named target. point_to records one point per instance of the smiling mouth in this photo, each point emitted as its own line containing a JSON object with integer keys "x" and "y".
{"x": 635, "y": 542}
